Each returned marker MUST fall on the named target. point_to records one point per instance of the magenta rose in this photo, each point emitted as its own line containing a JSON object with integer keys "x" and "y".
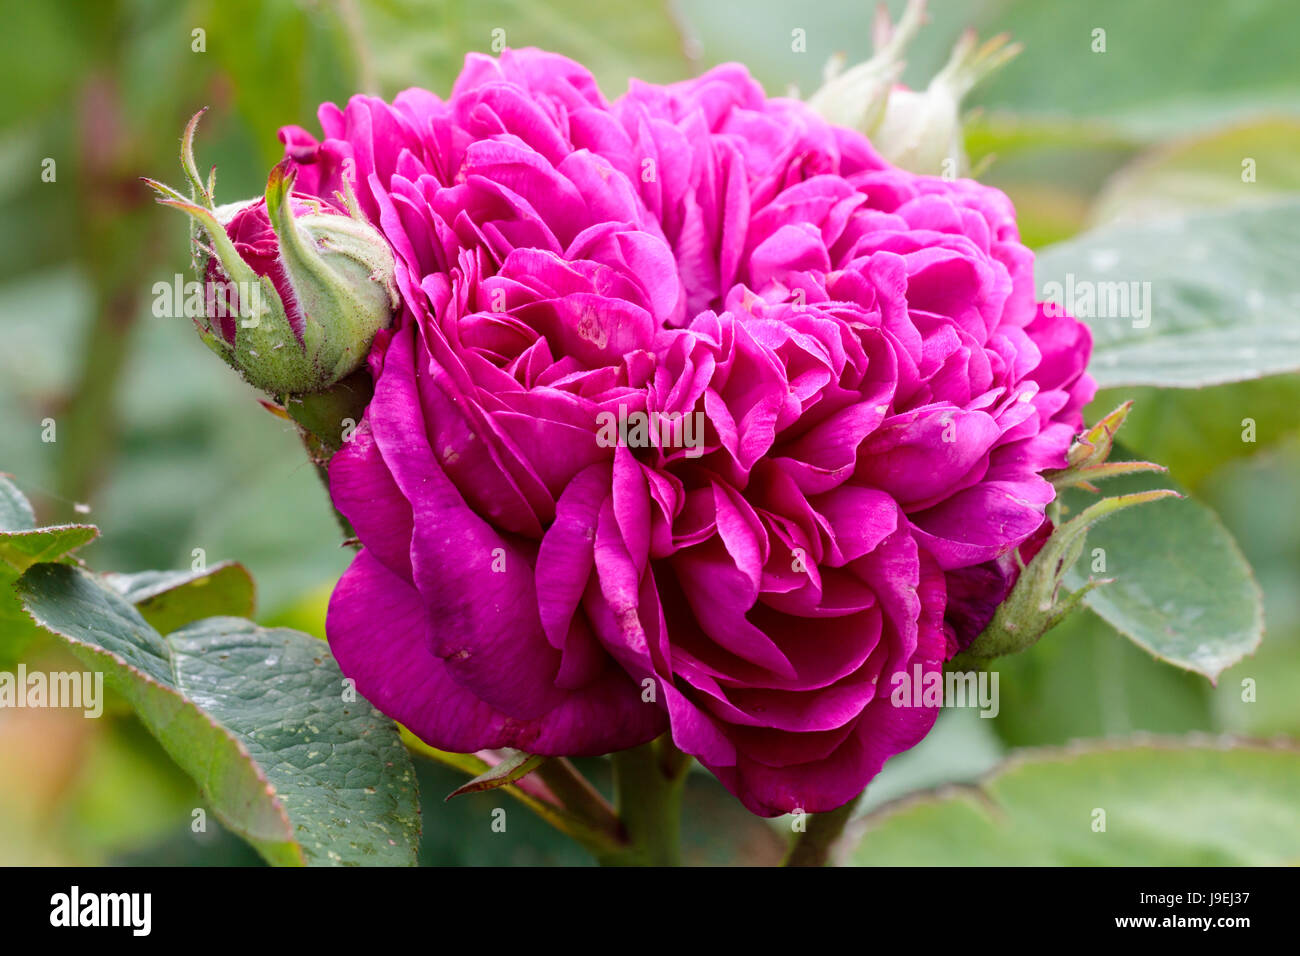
{"x": 850, "y": 392}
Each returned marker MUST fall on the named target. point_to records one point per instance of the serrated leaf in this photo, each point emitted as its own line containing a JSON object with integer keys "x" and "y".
{"x": 338, "y": 766}
{"x": 22, "y": 544}
{"x": 1222, "y": 304}
{"x": 1181, "y": 589}
{"x": 21, "y": 549}
{"x": 169, "y": 600}
{"x": 256, "y": 716}
{"x": 16, "y": 512}
{"x": 515, "y": 765}
{"x": 1166, "y": 803}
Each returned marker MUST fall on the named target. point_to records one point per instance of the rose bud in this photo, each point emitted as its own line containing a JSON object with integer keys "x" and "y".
{"x": 919, "y": 131}
{"x": 922, "y": 130}
{"x": 297, "y": 286}
{"x": 857, "y": 98}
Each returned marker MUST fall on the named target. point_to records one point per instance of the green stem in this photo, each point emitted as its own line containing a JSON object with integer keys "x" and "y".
{"x": 580, "y": 798}
{"x": 591, "y": 824}
{"x": 648, "y": 784}
{"x": 117, "y": 245}
{"x": 326, "y": 420}
{"x": 813, "y": 847}
{"x": 89, "y": 426}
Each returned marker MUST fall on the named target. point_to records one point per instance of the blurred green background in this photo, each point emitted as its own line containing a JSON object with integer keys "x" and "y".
{"x": 167, "y": 451}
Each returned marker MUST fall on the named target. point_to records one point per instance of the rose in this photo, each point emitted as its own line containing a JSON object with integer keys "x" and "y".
{"x": 536, "y": 292}
{"x": 880, "y": 396}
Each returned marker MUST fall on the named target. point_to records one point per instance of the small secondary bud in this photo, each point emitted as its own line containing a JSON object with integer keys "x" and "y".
{"x": 311, "y": 281}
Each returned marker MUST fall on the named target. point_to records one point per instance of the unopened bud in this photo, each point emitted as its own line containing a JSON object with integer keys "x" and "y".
{"x": 919, "y": 131}
{"x": 857, "y": 98}
{"x": 312, "y": 281}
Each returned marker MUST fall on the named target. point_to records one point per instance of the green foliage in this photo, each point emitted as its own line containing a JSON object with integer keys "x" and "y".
{"x": 169, "y": 600}
{"x": 1255, "y": 161}
{"x": 1179, "y": 587}
{"x": 22, "y": 545}
{"x": 1165, "y": 803}
{"x": 259, "y": 718}
{"x": 1204, "y": 293}
{"x": 516, "y": 764}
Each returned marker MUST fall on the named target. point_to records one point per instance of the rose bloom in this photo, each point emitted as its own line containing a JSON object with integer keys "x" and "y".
{"x": 877, "y": 391}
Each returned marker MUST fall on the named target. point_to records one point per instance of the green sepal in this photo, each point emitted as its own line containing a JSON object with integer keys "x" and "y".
{"x": 1035, "y": 604}
{"x": 1086, "y": 460}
